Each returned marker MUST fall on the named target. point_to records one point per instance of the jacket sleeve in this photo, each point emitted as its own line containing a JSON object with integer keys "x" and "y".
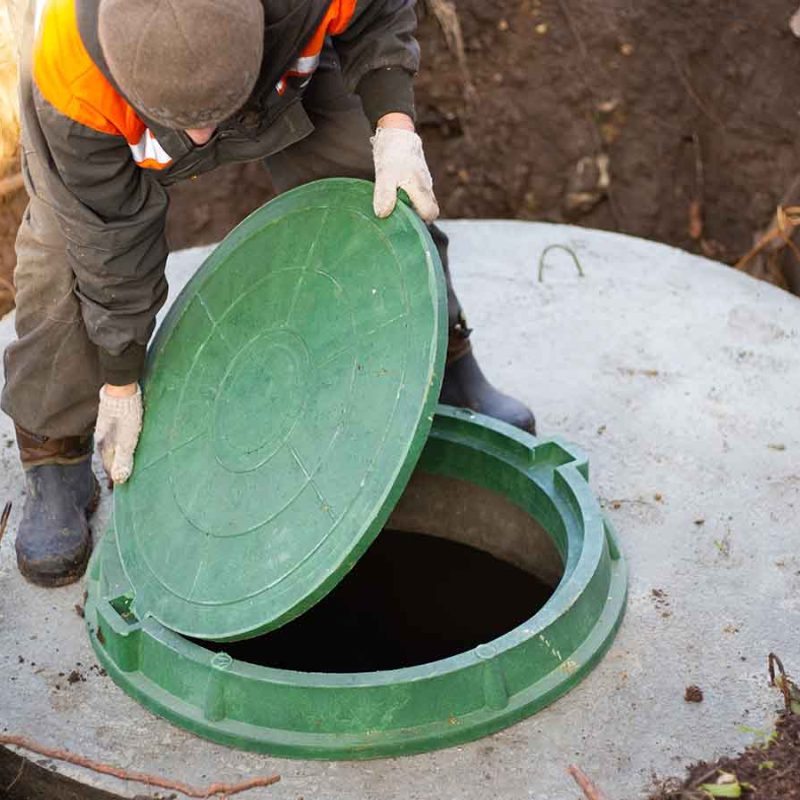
{"x": 380, "y": 56}
{"x": 112, "y": 214}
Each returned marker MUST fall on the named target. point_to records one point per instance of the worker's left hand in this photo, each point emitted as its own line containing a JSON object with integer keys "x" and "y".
{"x": 400, "y": 164}
{"x": 119, "y": 422}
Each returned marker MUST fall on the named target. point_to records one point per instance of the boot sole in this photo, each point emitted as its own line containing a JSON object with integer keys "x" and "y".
{"x": 76, "y": 573}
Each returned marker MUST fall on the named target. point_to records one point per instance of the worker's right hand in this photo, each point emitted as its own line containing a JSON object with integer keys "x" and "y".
{"x": 119, "y": 422}
{"x": 400, "y": 164}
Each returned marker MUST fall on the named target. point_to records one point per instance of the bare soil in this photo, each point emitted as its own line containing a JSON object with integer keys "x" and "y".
{"x": 768, "y": 770}
{"x": 674, "y": 121}
{"x": 689, "y": 101}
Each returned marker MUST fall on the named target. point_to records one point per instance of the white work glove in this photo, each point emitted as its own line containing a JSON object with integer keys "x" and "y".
{"x": 119, "y": 422}
{"x": 794, "y": 23}
{"x": 400, "y": 164}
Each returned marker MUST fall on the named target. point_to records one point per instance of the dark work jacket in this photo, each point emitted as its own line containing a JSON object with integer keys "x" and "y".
{"x": 102, "y": 166}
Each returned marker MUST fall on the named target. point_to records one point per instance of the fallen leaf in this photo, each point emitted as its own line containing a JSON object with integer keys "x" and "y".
{"x": 722, "y": 789}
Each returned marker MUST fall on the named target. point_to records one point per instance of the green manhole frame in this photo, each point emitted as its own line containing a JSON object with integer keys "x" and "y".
{"x": 409, "y": 710}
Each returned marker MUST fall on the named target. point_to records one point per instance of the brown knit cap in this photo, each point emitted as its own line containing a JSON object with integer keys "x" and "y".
{"x": 183, "y": 63}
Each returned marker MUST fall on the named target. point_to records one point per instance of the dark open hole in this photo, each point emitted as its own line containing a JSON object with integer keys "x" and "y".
{"x": 411, "y": 599}
{"x": 418, "y": 597}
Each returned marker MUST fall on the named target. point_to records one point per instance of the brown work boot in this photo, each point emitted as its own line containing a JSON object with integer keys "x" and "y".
{"x": 466, "y": 386}
{"x": 53, "y": 539}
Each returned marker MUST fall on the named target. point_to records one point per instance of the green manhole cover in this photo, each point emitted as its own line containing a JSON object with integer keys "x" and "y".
{"x": 454, "y": 699}
{"x": 289, "y": 393}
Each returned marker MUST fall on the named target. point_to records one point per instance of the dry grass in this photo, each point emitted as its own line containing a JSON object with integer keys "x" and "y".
{"x": 9, "y": 110}
{"x": 11, "y": 190}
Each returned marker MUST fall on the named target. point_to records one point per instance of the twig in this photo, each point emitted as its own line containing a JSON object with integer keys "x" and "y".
{"x": 4, "y": 519}
{"x": 783, "y": 681}
{"x": 223, "y": 789}
{"x": 11, "y": 184}
{"x": 705, "y": 776}
{"x": 22, "y": 763}
{"x": 772, "y": 662}
{"x": 693, "y": 94}
{"x": 573, "y": 29}
{"x": 696, "y": 205}
{"x": 699, "y": 172}
{"x": 787, "y": 218}
{"x": 558, "y": 247}
{"x": 587, "y": 787}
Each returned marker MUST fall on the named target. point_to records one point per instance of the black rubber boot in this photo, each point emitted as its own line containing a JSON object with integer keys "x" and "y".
{"x": 53, "y": 539}
{"x": 466, "y": 386}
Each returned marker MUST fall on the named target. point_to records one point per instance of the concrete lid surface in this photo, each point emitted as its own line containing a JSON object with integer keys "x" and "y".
{"x": 681, "y": 378}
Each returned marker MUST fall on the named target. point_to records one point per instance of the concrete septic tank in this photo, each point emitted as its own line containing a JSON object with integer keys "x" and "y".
{"x": 678, "y": 376}
{"x": 290, "y": 392}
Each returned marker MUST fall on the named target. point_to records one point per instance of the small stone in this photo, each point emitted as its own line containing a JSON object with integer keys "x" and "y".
{"x": 693, "y": 694}
{"x": 541, "y": 28}
{"x": 502, "y": 25}
{"x": 608, "y": 107}
{"x": 626, "y": 48}
{"x": 730, "y": 629}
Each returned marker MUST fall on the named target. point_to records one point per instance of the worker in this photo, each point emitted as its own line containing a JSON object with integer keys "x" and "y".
{"x": 119, "y": 100}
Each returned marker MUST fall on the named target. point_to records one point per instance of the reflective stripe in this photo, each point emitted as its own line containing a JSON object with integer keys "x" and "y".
{"x": 38, "y": 11}
{"x": 304, "y": 65}
{"x": 335, "y": 21}
{"x": 147, "y": 152}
